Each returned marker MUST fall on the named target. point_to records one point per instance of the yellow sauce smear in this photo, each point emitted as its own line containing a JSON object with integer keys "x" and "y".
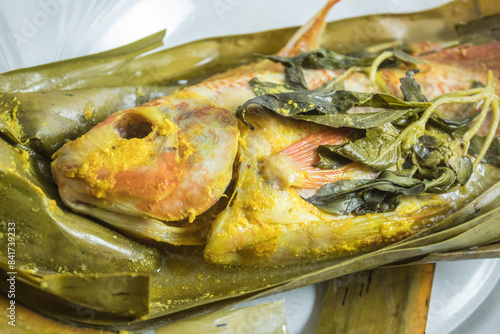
{"x": 120, "y": 155}
{"x": 9, "y": 118}
{"x": 88, "y": 111}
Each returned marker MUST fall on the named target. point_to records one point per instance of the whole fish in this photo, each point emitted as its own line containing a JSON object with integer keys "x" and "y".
{"x": 162, "y": 170}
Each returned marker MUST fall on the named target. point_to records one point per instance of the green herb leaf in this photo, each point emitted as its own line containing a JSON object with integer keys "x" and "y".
{"x": 411, "y": 89}
{"x": 330, "y": 160}
{"x": 457, "y": 126}
{"x": 427, "y": 150}
{"x": 356, "y": 121}
{"x": 441, "y": 170}
{"x": 451, "y": 126}
{"x": 318, "y": 105}
{"x": 439, "y": 180}
{"x": 321, "y": 58}
{"x": 327, "y": 59}
{"x": 406, "y": 57}
{"x": 382, "y": 194}
{"x": 463, "y": 168}
{"x": 264, "y": 87}
{"x": 373, "y": 150}
{"x": 294, "y": 77}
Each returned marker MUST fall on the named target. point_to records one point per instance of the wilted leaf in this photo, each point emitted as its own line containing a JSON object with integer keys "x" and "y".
{"x": 363, "y": 196}
{"x": 373, "y": 150}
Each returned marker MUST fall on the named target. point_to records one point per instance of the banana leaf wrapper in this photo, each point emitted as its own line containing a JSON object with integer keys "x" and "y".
{"x": 45, "y": 120}
{"x": 78, "y": 70}
{"x": 491, "y": 251}
{"x": 265, "y": 318}
{"x": 52, "y": 241}
{"x": 30, "y": 322}
{"x": 117, "y": 66}
{"x": 166, "y": 67}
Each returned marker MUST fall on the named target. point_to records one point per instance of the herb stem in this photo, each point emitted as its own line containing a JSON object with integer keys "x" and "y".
{"x": 413, "y": 131}
{"x": 463, "y": 93}
{"x": 477, "y": 125}
{"x": 491, "y": 133}
{"x": 376, "y": 63}
{"x": 381, "y": 84}
{"x": 491, "y": 97}
{"x": 383, "y": 46}
{"x": 452, "y": 98}
{"x": 332, "y": 82}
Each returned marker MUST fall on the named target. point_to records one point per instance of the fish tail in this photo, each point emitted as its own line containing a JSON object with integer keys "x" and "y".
{"x": 308, "y": 36}
{"x": 304, "y": 156}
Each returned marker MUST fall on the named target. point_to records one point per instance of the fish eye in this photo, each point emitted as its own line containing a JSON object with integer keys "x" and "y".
{"x": 132, "y": 125}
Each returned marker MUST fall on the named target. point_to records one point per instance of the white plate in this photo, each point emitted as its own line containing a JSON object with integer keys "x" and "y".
{"x": 465, "y": 296}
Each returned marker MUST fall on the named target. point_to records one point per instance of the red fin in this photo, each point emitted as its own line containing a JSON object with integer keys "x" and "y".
{"x": 318, "y": 177}
{"x": 308, "y": 36}
{"x": 304, "y": 155}
{"x": 482, "y": 57}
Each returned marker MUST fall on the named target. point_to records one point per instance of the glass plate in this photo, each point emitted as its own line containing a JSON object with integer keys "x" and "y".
{"x": 465, "y": 296}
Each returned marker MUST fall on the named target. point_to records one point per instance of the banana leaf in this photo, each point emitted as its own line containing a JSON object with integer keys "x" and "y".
{"x": 265, "y": 318}
{"x": 490, "y": 251}
{"x": 166, "y": 67}
{"x": 121, "y": 65}
{"x": 30, "y": 322}
{"x": 106, "y": 305}
{"x": 51, "y": 240}
{"x": 78, "y": 69}
{"x": 47, "y": 119}
{"x": 262, "y": 318}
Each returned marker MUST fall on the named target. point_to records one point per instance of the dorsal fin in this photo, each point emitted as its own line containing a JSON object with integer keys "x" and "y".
{"x": 308, "y": 36}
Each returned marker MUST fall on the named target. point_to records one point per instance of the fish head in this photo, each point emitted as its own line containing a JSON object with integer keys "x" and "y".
{"x": 162, "y": 160}
{"x": 129, "y": 156}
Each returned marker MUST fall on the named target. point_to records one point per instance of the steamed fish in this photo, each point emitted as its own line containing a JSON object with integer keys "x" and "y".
{"x": 331, "y": 155}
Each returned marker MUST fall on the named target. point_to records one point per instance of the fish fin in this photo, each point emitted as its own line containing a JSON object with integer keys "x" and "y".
{"x": 481, "y": 57}
{"x": 303, "y": 155}
{"x": 305, "y": 39}
{"x": 308, "y": 36}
